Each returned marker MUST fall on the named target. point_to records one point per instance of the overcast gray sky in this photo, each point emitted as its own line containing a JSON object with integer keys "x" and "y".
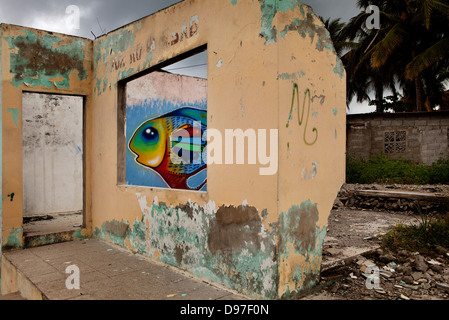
{"x": 100, "y": 16}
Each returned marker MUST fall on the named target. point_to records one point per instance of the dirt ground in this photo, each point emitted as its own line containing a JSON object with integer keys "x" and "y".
{"x": 355, "y": 268}
{"x": 353, "y": 232}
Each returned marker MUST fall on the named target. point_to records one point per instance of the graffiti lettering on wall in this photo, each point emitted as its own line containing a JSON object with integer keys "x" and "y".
{"x": 185, "y": 33}
{"x": 166, "y": 132}
{"x": 306, "y": 104}
{"x": 136, "y": 55}
{"x": 119, "y": 62}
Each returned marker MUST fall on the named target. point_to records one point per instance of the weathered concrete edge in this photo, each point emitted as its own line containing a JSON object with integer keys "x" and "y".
{"x": 15, "y": 281}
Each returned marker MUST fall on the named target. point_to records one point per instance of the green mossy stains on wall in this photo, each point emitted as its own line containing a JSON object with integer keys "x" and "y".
{"x": 119, "y": 42}
{"x": 230, "y": 245}
{"x": 182, "y": 237}
{"x": 269, "y": 9}
{"x": 298, "y": 227}
{"x": 59, "y": 62}
{"x": 309, "y": 25}
{"x": 14, "y": 240}
{"x": 339, "y": 68}
{"x": 15, "y": 115}
{"x": 116, "y": 231}
{"x": 112, "y": 46}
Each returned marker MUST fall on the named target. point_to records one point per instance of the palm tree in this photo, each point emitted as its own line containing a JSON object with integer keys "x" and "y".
{"x": 410, "y": 49}
{"x": 335, "y": 27}
{"x": 361, "y": 77}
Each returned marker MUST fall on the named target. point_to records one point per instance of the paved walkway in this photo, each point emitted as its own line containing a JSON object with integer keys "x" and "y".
{"x": 108, "y": 273}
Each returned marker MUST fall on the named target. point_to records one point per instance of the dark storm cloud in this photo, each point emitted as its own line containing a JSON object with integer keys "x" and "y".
{"x": 106, "y": 15}
{"x": 344, "y": 9}
{"x": 98, "y": 16}
{"x": 51, "y": 14}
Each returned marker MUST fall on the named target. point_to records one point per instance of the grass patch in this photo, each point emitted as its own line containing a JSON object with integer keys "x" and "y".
{"x": 422, "y": 237}
{"x": 383, "y": 170}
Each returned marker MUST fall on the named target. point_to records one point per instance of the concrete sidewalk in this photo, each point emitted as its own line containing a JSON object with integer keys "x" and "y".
{"x": 106, "y": 273}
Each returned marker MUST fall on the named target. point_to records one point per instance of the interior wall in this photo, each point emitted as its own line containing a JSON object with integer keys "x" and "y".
{"x": 66, "y": 69}
{"x": 259, "y": 234}
{"x": 53, "y": 153}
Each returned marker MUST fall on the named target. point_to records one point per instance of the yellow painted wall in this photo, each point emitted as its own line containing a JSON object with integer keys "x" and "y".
{"x": 66, "y": 69}
{"x": 260, "y": 235}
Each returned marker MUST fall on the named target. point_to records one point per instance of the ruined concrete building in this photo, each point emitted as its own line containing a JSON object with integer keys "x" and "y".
{"x": 94, "y": 126}
{"x": 418, "y": 137}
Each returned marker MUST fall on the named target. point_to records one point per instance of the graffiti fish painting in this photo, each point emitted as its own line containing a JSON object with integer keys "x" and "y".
{"x": 174, "y": 146}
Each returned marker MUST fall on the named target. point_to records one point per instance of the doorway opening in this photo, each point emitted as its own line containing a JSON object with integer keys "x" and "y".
{"x": 53, "y": 163}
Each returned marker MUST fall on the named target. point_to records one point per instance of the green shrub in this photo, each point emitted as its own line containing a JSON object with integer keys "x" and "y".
{"x": 439, "y": 173}
{"x": 423, "y": 237}
{"x": 383, "y": 170}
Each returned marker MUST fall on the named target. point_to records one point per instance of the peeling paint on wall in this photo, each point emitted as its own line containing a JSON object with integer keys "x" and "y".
{"x": 310, "y": 174}
{"x": 291, "y": 76}
{"x": 15, "y": 116}
{"x": 55, "y": 69}
{"x": 339, "y": 68}
{"x": 229, "y": 245}
{"x": 335, "y": 112}
{"x": 300, "y": 240}
{"x": 309, "y": 25}
{"x": 110, "y": 52}
{"x": 14, "y": 239}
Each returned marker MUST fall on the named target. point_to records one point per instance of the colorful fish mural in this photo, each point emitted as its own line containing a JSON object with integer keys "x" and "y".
{"x": 174, "y": 146}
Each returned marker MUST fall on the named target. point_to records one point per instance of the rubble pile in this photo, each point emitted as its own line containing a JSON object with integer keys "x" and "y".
{"x": 351, "y": 197}
{"x": 381, "y": 275}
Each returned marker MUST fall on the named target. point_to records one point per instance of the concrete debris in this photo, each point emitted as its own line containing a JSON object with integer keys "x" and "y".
{"x": 386, "y": 274}
{"x": 387, "y": 258}
{"x": 420, "y": 264}
{"x": 403, "y": 297}
{"x": 377, "y": 198}
{"x": 434, "y": 263}
{"x": 417, "y": 275}
{"x": 355, "y": 240}
{"x": 437, "y": 269}
{"x": 410, "y": 287}
{"x": 442, "y": 286}
{"x": 402, "y": 279}
{"x": 407, "y": 280}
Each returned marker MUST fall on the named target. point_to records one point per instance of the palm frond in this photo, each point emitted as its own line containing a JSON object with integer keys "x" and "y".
{"x": 385, "y": 48}
{"x": 427, "y": 59}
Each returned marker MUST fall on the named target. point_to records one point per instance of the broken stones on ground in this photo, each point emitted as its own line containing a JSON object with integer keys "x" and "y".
{"x": 407, "y": 277}
{"x": 420, "y": 264}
